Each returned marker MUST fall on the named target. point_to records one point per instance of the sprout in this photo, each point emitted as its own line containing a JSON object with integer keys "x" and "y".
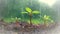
{"x": 46, "y": 19}
{"x": 30, "y": 13}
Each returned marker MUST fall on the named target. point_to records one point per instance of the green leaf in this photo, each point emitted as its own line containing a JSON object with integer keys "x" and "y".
{"x": 19, "y": 18}
{"x": 28, "y": 9}
{"x": 36, "y": 12}
{"x": 46, "y": 17}
{"x": 16, "y": 18}
{"x": 24, "y": 12}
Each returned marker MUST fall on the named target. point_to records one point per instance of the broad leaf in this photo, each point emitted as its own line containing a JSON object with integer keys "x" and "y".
{"x": 36, "y": 12}
{"x": 24, "y": 12}
{"x": 28, "y": 9}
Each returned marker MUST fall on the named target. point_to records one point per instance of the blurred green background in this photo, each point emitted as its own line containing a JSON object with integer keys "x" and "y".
{"x": 13, "y": 8}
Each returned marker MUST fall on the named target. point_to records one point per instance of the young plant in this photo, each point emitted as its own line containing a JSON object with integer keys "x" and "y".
{"x": 16, "y": 20}
{"x": 46, "y": 19}
{"x": 30, "y": 13}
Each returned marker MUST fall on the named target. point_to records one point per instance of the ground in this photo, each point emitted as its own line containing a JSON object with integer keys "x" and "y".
{"x": 52, "y": 30}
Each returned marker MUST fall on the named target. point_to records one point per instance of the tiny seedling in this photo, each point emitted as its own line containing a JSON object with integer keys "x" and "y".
{"x": 46, "y": 19}
{"x": 30, "y": 13}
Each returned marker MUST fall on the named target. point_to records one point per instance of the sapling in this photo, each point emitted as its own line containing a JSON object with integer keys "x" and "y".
{"x": 30, "y": 13}
{"x": 46, "y": 19}
{"x": 17, "y": 21}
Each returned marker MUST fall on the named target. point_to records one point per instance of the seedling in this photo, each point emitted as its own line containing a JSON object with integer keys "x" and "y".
{"x": 30, "y": 13}
{"x": 46, "y": 19}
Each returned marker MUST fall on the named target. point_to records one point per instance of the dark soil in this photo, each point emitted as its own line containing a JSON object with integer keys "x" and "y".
{"x": 24, "y": 27}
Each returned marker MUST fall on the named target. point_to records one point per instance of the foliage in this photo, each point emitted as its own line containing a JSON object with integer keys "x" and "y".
{"x": 47, "y": 18}
{"x": 15, "y": 7}
{"x": 28, "y": 10}
{"x": 9, "y": 20}
{"x": 30, "y": 13}
{"x": 22, "y": 9}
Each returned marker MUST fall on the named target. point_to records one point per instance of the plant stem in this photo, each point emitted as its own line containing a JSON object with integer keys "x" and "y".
{"x": 45, "y": 22}
{"x": 31, "y": 18}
